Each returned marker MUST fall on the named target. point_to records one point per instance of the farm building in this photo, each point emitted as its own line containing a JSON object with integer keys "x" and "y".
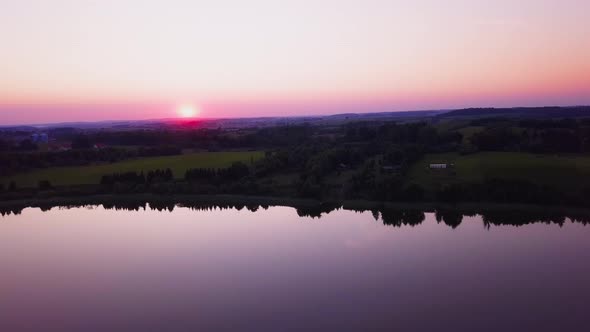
{"x": 391, "y": 168}
{"x": 439, "y": 166}
{"x": 40, "y": 138}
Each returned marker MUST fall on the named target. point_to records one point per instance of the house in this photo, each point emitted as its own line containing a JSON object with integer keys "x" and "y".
{"x": 40, "y": 138}
{"x": 100, "y": 146}
{"x": 43, "y": 138}
{"x": 391, "y": 168}
{"x": 60, "y": 147}
{"x": 439, "y": 166}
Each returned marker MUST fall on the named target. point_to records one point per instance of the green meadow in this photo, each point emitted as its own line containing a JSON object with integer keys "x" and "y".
{"x": 567, "y": 172}
{"x": 61, "y": 176}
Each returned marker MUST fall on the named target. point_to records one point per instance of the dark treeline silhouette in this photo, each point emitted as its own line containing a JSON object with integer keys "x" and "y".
{"x": 231, "y": 180}
{"x": 549, "y": 112}
{"x": 366, "y": 160}
{"x": 379, "y": 153}
{"x": 236, "y": 171}
{"x": 85, "y": 148}
{"x": 153, "y": 176}
{"x": 210, "y": 139}
{"x": 389, "y": 216}
{"x": 13, "y": 162}
{"x": 450, "y": 217}
{"x": 400, "y": 217}
{"x": 200, "y": 174}
{"x": 316, "y": 210}
{"x": 509, "y": 191}
{"x": 535, "y": 135}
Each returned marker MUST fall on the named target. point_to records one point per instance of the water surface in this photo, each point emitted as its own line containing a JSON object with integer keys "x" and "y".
{"x": 92, "y": 269}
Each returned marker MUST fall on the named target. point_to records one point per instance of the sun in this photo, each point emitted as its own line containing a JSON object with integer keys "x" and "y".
{"x": 188, "y": 111}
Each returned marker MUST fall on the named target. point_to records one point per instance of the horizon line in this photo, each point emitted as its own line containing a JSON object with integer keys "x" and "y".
{"x": 197, "y": 118}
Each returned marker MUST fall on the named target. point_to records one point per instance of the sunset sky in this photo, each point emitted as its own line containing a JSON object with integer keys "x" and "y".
{"x": 81, "y": 60}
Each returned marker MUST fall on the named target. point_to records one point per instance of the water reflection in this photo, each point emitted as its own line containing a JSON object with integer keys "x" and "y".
{"x": 252, "y": 266}
{"x": 391, "y": 216}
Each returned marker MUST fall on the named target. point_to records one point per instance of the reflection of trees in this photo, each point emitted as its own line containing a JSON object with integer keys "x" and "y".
{"x": 252, "y": 207}
{"x": 520, "y": 218}
{"x": 580, "y": 218}
{"x": 6, "y": 211}
{"x": 128, "y": 206}
{"x": 315, "y": 211}
{"x": 375, "y": 213}
{"x": 452, "y": 218}
{"x": 390, "y": 216}
{"x": 398, "y": 218}
{"x": 162, "y": 206}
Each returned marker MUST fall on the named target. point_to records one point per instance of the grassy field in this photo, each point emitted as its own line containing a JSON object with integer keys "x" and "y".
{"x": 92, "y": 174}
{"x": 565, "y": 172}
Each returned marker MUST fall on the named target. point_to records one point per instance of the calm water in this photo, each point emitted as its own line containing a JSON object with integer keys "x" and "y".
{"x": 271, "y": 270}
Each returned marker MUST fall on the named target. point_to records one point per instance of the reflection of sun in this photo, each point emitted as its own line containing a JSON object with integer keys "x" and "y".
{"x": 188, "y": 111}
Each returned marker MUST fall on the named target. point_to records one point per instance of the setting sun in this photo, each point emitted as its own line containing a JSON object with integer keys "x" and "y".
{"x": 188, "y": 111}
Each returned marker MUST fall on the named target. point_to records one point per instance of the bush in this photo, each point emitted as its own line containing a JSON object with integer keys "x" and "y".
{"x": 45, "y": 185}
{"x": 123, "y": 188}
{"x": 413, "y": 192}
{"x": 451, "y": 193}
{"x": 81, "y": 142}
{"x": 467, "y": 148}
{"x": 310, "y": 189}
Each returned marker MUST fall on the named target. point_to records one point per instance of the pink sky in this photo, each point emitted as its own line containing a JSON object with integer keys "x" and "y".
{"x": 72, "y": 60}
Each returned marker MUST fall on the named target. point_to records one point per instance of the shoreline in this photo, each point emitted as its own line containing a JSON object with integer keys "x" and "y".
{"x": 193, "y": 200}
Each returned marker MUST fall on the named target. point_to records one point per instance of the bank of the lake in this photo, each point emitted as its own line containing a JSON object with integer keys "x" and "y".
{"x": 308, "y": 207}
{"x": 248, "y": 266}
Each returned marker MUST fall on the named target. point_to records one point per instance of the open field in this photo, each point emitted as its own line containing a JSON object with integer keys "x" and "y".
{"x": 561, "y": 171}
{"x": 91, "y": 174}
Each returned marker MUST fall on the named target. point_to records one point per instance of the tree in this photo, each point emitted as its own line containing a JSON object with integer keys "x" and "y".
{"x": 81, "y": 142}
{"x": 413, "y": 192}
{"x": 45, "y": 185}
{"x": 27, "y": 145}
{"x": 4, "y": 146}
{"x": 168, "y": 176}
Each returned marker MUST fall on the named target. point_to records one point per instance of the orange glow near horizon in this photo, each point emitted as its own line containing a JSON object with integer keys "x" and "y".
{"x": 188, "y": 111}
{"x": 66, "y": 60}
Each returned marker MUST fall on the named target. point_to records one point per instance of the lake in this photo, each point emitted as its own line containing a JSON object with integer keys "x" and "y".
{"x": 270, "y": 269}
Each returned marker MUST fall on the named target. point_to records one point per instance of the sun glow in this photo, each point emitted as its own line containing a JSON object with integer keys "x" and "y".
{"x": 188, "y": 111}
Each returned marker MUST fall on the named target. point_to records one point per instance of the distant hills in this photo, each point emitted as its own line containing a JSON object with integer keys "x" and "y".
{"x": 524, "y": 112}
{"x": 335, "y": 119}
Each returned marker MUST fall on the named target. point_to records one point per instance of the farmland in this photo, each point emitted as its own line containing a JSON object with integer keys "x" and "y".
{"x": 61, "y": 176}
{"x": 567, "y": 172}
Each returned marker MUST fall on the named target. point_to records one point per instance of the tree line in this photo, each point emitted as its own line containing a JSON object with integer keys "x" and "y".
{"x": 535, "y": 136}
{"x": 153, "y": 176}
{"x": 390, "y": 216}
{"x": 13, "y": 162}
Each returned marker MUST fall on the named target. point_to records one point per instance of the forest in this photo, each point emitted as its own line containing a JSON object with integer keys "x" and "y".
{"x": 358, "y": 160}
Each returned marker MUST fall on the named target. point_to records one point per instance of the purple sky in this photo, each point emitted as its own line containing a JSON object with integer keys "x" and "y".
{"x": 72, "y": 60}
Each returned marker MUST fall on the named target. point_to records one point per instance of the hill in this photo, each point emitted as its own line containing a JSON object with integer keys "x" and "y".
{"x": 521, "y": 112}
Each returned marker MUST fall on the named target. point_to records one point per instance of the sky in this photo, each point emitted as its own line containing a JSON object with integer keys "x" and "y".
{"x": 82, "y": 60}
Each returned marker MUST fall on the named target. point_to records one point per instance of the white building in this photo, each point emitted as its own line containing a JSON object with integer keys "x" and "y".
{"x": 438, "y": 166}
{"x": 40, "y": 138}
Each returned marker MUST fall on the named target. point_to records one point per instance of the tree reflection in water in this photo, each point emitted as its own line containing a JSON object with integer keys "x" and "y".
{"x": 390, "y": 216}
